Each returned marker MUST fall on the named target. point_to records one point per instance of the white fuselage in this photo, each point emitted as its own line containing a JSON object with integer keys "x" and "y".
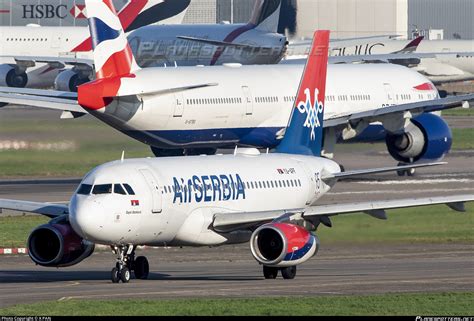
{"x": 251, "y": 105}
{"x": 152, "y": 46}
{"x": 444, "y": 68}
{"x": 176, "y": 198}
{"x": 48, "y": 42}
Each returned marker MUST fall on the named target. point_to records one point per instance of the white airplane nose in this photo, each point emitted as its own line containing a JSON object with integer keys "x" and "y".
{"x": 86, "y": 219}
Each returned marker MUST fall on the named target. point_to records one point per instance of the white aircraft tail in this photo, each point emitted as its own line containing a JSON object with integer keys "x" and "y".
{"x": 112, "y": 54}
{"x": 266, "y": 15}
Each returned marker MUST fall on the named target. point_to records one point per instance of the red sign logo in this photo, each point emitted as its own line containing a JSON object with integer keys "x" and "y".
{"x": 135, "y": 202}
{"x": 79, "y": 11}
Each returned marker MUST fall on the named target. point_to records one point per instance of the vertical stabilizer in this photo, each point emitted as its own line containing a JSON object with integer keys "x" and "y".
{"x": 266, "y": 15}
{"x": 304, "y": 134}
{"x": 112, "y": 54}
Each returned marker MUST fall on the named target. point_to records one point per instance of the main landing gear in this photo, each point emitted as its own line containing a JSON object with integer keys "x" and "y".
{"x": 126, "y": 263}
{"x": 287, "y": 273}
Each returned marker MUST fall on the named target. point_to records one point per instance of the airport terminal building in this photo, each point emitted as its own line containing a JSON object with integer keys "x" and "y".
{"x": 345, "y": 18}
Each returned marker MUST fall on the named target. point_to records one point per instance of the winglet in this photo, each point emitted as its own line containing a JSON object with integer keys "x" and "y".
{"x": 412, "y": 46}
{"x": 304, "y": 134}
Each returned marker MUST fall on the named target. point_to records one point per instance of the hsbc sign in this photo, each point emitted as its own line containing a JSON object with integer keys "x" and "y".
{"x": 49, "y": 11}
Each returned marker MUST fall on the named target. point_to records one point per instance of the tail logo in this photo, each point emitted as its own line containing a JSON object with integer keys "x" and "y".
{"x": 312, "y": 111}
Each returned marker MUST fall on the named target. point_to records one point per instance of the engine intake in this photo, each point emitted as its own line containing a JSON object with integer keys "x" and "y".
{"x": 69, "y": 80}
{"x": 428, "y": 137}
{"x": 57, "y": 245}
{"x": 283, "y": 244}
{"x": 10, "y": 76}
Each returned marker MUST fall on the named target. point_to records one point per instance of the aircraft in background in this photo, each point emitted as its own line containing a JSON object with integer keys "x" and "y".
{"x": 18, "y": 68}
{"x": 442, "y": 61}
{"x": 254, "y": 43}
{"x": 154, "y": 45}
{"x": 195, "y": 110}
{"x": 208, "y": 200}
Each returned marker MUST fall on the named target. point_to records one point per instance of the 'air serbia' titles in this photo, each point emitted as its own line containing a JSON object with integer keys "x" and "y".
{"x": 210, "y": 188}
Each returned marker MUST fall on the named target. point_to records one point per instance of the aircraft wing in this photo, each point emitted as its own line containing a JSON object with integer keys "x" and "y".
{"x": 227, "y": 222}
{"x": 401, "y": 58}
{"x": 46, "y": 209}
{"x": 58, "y": 100}
{"x": 54, "y": 62}
{"x": 418, "y": 107}
{"x": 220, "y": 43}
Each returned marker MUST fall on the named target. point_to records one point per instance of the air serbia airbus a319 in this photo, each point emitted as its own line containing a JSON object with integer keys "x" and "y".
{"x": 266, "y": 199}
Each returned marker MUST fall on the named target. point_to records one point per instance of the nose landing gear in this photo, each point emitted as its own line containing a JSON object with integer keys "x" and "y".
{"x": 126, "y": 263}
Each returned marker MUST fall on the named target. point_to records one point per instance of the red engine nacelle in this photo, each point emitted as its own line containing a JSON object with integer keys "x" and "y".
{"x": 56, "y": 244}
{"x": 283, "y": 244}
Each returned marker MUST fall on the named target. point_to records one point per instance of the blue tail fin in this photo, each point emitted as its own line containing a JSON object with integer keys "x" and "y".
{"x": 304, "y": 134}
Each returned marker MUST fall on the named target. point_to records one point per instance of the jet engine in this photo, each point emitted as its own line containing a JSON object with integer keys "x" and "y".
{"x": 69, "y": 80}
{"x": 57, "y": 245}
{"x": 10, "y": 76}
{"x": 428, "y": 138}
{"x": 283, "y": 244}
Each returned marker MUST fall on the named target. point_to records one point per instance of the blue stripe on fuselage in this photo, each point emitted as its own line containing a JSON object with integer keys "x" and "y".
{"x": 101, "y": 31}
{"x": 221, "y": 137}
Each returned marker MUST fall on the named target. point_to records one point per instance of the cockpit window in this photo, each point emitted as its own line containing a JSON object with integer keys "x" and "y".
{"x": 118, "y": 189}
{"x": 102, "y": 189}
{"x": 84, "y": 189}
{"x": 129, "y": 189}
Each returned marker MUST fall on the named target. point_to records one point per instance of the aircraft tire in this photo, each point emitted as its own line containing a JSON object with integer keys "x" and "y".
{"x": 142, "y": 268}
{"x": 289, "y": 273}
{"x": 115, "y": 275}
{"x": 270, "y": 272}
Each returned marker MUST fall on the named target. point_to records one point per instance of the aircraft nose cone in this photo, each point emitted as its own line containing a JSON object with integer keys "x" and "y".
{"x": 85, "y": 220}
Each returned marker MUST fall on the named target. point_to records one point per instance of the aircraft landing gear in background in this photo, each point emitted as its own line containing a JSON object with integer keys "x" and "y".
{"x": 287, "y": 273}
{"x": 126, "y": 263}
{"x": 407, "y": 172}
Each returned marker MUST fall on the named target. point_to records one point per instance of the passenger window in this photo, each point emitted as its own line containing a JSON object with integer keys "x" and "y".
{"x": 129, "y": 189}
{"x": 118, "y": 189}
{"x": 102, "y": 189}
{"x": 84, "y": 189}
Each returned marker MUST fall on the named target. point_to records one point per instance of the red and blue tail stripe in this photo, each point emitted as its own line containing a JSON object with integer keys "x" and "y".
{"x": 101, "y": 32}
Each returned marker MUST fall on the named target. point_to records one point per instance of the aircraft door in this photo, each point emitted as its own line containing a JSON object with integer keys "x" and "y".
{"x": 178, "y": 105}
{"x": 154, "y": 189}
{"x": 390, "y": 96}
{"x": 248, "y": 100}
{"x": 56, "y": 40}
{"x": 314, "y": 181}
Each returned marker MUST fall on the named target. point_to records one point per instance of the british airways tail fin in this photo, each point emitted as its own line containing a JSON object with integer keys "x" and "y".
{"x": 139, "y": 13}
{"x": 112, "y": 54}
{"x": 304, "y": 134}
{"x": 266, "y": 15}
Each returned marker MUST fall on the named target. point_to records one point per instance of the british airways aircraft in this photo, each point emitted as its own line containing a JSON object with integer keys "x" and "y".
{"x": 267, "y": 200}
{"x": 18, "y": 68}
{"x": 256, "y": 42}
{"x": 195, "y": 110}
